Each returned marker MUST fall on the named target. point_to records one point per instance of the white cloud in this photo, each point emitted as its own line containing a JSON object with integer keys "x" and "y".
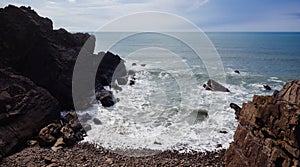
{"x": 89, "y": 15}
{"x": 72, "y": 1}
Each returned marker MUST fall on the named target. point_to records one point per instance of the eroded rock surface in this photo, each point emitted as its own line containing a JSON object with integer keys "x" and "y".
{"x": 24, "y": 109}
{"x": 268, "y": 133}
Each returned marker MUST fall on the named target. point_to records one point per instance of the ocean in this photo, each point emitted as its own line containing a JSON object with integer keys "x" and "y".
{"x": 167, "y": 108}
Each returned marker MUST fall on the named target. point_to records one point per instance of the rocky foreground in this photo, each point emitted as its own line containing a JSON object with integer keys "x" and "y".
{"x": 89, "y": 155}
{"x": 268, "y": 133}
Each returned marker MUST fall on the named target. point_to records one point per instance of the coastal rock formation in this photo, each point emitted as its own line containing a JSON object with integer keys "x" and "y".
{"x": 268, "y": 133}
{"x": 36, "y": 69}
{"x": 30, "y": 46}
{"x": 24, "y": 109}
{"x": 215, "y": 86}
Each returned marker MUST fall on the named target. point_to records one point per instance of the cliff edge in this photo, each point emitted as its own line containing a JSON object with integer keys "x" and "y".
{"x": 268, "y": 133}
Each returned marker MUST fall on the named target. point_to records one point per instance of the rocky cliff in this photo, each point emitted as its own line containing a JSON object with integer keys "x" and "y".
{"x": 36, "y": 68}
{"x": 268, "y": 133}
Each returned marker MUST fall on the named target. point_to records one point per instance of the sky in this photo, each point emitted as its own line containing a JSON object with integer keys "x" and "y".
{"x": 208, "y": 15}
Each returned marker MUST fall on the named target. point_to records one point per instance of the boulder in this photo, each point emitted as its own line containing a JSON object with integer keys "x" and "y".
{"x": 215, "y": 86}
{"x": 25, "y": 109}
{"x": 268, "y": 133}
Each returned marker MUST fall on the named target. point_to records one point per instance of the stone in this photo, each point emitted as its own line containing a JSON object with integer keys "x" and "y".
{"x": 237, "y": 71}
{"x": 31, "y": 109}
{"x": 48, "y": 134}
{"x": 97, "y": 121}
{"x": 267, "y": 87}
{"x": 268, "y": 133}
{"x": 215, "y": 86}
{"x": 236, "y": 108}
{"x": 108, "y": 161}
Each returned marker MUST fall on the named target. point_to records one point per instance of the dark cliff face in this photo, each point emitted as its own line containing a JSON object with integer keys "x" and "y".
{"x": 268, "y": 133}
{"x": 24, "y": 109}
{"x": 46, "y": 56}
{"x": 36, "y": 68}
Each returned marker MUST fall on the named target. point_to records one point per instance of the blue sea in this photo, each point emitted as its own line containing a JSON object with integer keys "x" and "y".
{"x": 167, "y": 108}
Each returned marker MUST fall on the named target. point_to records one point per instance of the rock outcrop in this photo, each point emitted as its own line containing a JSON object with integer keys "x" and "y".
{"x": 268, "y": 133}
{"x": 30, "y": 46}
{"x": 36, "y": 69}
{"x": 215, "y": 86}
{"x": 24, "y": 109}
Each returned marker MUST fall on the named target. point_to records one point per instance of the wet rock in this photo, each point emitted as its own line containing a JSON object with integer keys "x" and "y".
{"x": 215, "y": 86}
{"x": 131, "y": 82}
{"x": 267, "y": 87}
{"x": 268, "y": 133}
{"x": 219, "y": 146}
{"x": 223, "y": 131}
{"x": 199, "y": 115}
{"x": 237, "y": 71}
{"x": 97, "y": 121}
{"x": 85, "y": 117}
{"x": 131, "y": 72}
{"x": 236, "y": 108}
{"x": 116, "y": 87}
{"x": 106, "y": 98}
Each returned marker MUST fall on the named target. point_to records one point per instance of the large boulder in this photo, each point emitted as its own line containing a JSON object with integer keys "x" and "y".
{"x": 24, "y": 109}
{"x": 215, "y": 86}
{"x": 268, "y": 133}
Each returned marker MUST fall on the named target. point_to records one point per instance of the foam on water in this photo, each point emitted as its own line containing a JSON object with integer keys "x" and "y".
{"x": 159, "y": 112}
{"x": 152, "y": 114}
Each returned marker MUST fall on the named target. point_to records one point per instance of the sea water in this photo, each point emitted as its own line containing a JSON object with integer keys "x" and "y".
{"x": 168, "y": 109}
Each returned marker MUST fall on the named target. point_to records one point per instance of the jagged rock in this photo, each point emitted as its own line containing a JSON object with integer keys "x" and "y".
{"x": 236, "y": 108}
{"x": 268, "y": 133}
{"x": 31, "y": 108}
{"x": 36, "y": 69}
{"x": 267, "y": 87}
{"x": 215, "y": 86}
{"x": 49, "y": 133}
{"x": 106, "y": 98}
{"x": 31, "y": 47}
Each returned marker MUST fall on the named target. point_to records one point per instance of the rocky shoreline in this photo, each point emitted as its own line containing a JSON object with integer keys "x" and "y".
{"x": 36, "y": 70}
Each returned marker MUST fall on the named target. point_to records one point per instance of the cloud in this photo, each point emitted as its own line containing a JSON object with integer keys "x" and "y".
{"x": 89, "y": 15}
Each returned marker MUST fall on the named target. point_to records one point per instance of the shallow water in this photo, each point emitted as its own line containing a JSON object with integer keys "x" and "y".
{"x": 159, "y": 112}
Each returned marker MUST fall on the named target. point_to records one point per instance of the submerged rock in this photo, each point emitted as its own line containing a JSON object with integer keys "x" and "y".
{"x": 268, "y": 133}
{"x": 200, "y": 115}
{"x": 215, "y": 86}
